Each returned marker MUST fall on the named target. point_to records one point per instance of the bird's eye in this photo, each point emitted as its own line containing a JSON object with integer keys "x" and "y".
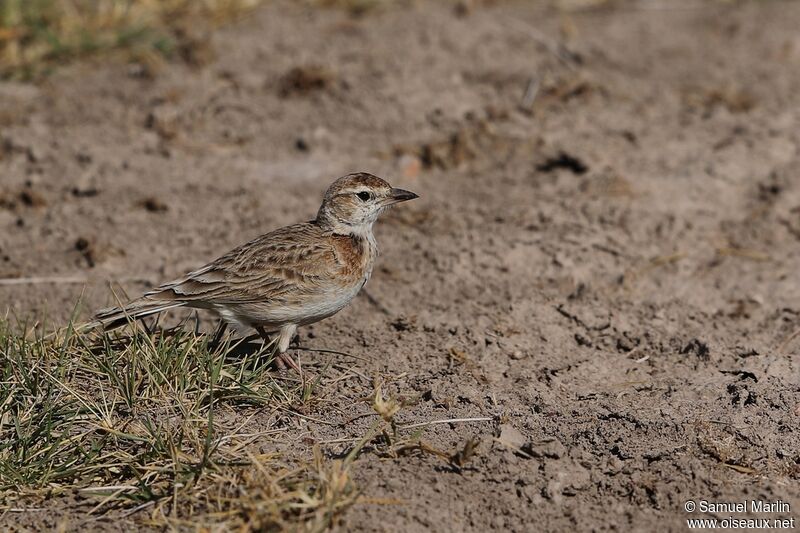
{"x": 364, "y": 196}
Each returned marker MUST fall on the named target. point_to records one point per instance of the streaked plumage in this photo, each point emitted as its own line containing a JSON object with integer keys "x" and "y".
{"x": 290, "y": 277}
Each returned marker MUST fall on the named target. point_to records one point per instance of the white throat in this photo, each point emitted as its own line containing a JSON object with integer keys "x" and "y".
{"x": 359, "y": 230}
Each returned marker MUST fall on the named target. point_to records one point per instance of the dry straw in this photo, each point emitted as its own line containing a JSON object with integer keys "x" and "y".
{"x": 35, "y": 34}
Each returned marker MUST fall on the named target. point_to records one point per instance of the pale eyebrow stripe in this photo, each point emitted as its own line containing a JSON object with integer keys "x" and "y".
{"x": 352, "y": 192}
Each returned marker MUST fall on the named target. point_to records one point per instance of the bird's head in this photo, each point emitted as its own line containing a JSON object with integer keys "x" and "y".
{"x": 353, "y": 203}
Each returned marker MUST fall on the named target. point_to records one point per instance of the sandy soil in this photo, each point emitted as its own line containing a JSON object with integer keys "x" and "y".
{"x": 611, "y": 272}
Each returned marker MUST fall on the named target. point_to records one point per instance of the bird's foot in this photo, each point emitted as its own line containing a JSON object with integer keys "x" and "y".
{"x": 283, "y": 360}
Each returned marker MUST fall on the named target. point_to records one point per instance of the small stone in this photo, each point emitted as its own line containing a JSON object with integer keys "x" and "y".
{"x": 154, "y": 205}
{"x": 84, "y": 187}
{"x": 302, "y": 80}
{"x": 551, "y": 448}
{"x": 164, "y": 121}
{"x": 410, "y": 165}
{"x": 517, "y": 355}
{"x": 512, "y": 436}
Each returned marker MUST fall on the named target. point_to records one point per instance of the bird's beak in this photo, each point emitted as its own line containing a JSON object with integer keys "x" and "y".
{"x": 400, "y": 195}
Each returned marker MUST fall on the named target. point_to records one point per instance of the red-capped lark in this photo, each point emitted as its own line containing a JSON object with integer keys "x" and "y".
{"x": 290, "y": 277}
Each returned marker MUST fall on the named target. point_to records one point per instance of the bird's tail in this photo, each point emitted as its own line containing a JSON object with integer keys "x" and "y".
{"x": 114, "y": 317}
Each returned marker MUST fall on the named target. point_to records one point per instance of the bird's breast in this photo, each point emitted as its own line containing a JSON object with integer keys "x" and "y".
{"x": 355, "y": 255}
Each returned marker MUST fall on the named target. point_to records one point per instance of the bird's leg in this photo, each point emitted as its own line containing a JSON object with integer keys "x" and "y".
{"x": 266, "y": 342}
{"x": 223, "y": 327}
{"x": 196, "y": 317}
{"x": 284, "y": 339}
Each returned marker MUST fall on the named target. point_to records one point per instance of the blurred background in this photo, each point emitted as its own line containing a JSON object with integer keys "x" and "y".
{"x": 605, "y": 250}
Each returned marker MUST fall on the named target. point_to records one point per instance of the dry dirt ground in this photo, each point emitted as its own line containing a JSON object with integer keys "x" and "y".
{"x": 609, "y": 270}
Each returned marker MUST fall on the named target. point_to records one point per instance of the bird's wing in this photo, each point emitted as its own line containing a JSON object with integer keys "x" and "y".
{"x": 285, "y": 263}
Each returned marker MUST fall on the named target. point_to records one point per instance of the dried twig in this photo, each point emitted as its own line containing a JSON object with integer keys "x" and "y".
{"x": 43, "y": 279}
{"x": 557, "y": 48}
{"x": 37, "y": 280}
{"x": 531, "y": 91}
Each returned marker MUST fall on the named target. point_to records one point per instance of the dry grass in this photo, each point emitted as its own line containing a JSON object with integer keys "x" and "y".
{"x": 156, "y": 428}
{"x": 168, "y": 428}
{"x": 164, "y": 429}
{"x": 37, "y": 34}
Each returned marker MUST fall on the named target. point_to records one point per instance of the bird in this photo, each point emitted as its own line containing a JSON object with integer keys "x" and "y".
{"x": 290, "y": 277}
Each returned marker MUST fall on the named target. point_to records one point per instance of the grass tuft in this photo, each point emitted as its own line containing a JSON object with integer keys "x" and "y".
{"x": 35, "y": 35}
{"x": 156, "y": 421}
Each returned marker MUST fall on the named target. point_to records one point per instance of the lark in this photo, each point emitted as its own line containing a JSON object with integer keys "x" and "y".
{"x": 290, "y": 277}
